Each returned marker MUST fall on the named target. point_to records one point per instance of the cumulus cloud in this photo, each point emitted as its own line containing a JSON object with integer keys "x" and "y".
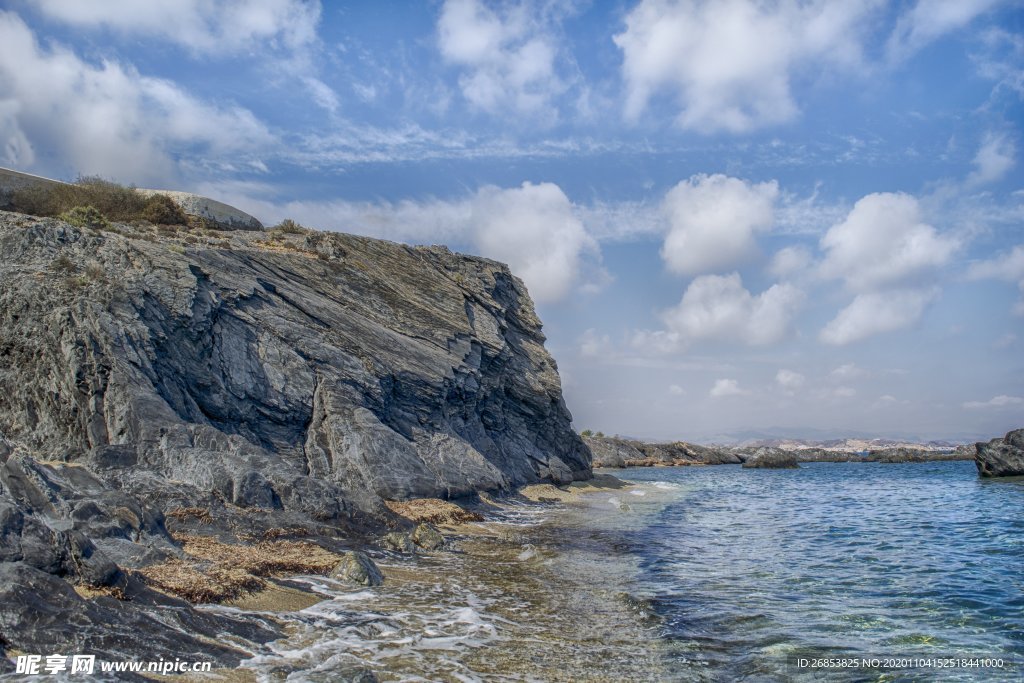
{"x": 929, "y": 20}
{"x": 995, "y": 157}
{"x": 873, "y": 313}
{"x": 534, "y": 228}
{"x": 203, "y": 26}
{"x": 719, "y": 308}
{"x": 729, "y": 64}
{"x": 789, "y": 262}
{"x": 508, "y": 57}
{"x": 884, "y": 242}
{"x": 713, "y": 220}
{"x": 676, "y": 390}
{"x": 888, "y": 255}
{"x": 284, "y": 32}
{"x": 727, "y": 387}
{"x": 106, "y": 118}
{"x": 1001, "y": 401}
{"x": 789, "y": 381}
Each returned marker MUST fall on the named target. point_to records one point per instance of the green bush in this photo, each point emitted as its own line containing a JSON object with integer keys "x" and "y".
{"x": 86, "y": 217}
{"x": 587, "y": 432}
{"x": 162, "y": 210}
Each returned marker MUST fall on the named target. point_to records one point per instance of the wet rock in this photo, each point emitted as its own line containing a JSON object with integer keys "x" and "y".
{"x": 398, "y": 542}
{"x": 427, "y": 537}
{"x": 1001, "y": 457}
{"x": 356, "y": 567}
{"x": 772, "y": 458}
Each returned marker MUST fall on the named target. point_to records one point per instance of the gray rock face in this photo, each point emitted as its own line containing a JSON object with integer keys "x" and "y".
{"x": 611, "y": 452}
{"x": 1001, "y": 457}
{"x": 772, "y": 458}
{"x": 267, "y": 381}
{"x": 320, "y": 376}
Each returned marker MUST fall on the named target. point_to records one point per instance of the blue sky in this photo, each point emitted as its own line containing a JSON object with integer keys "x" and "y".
{"x": 805, "y": 217}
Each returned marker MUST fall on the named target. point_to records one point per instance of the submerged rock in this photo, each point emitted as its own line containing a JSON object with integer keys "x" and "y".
{"x": 427, "y": 537}
{"x": 1001, "y": 457}
{"x": 772, "y": 458}
{"x": 356, "y": 567}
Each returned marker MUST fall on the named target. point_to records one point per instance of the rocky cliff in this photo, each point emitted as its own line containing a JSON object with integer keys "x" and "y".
{"x": 262, "y": 380}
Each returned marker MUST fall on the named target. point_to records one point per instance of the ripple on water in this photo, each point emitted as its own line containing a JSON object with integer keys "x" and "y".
{"x": 711, "y": 574}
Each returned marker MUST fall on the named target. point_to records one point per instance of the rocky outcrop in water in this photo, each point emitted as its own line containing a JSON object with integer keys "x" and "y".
{"x": 616, "y": 452}
{"x": 1001, "y": 457}
{"x": 243, "y": 385}
{"x": 912, "y": 455}
{"x": 771, "y": 458}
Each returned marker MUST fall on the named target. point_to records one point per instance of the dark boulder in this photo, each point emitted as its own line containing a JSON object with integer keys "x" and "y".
{"x": 1001, "y": 457}
{"x": 772, "y": 458}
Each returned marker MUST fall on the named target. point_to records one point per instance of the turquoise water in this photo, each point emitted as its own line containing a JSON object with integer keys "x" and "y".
{"x": 694, "y": 574}
{"x": 750, "y": 569}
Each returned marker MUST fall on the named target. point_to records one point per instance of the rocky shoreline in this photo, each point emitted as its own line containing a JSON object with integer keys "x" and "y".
{"x": 198, "y": 414}
{"x": 615, "y": 452}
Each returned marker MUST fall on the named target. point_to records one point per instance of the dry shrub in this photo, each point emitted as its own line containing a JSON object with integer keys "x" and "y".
{"x": 162, "y": 210}
{"x": 116, "y": 202}
{"x": 263, "y": 559}
{"x": 217, "y": 571}
{"x": 200, "y": 514}
{"x": 216, "y": 584}
{"x": 432, "y": 511}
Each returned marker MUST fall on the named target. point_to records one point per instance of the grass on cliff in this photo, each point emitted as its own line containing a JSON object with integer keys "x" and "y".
{"x": 214, "y": 571}
{"x": 95, "y": 200}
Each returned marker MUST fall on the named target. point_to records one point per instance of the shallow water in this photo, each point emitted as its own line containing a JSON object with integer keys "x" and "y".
{"x": 697, "y": 574}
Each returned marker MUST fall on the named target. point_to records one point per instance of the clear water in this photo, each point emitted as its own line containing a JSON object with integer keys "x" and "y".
{"x": 697, "y": 574}
{"x": 751, "y": 567}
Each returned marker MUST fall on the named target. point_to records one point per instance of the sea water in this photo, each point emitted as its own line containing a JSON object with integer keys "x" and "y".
{"x": 699, "y": 574}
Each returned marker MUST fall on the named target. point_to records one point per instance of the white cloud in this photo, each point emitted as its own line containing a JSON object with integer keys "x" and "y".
{"x": 789, "y": 381}
{"x": 873, "y": 313}
{"x": 203, "y": 26}
{"x": 884, "y": 242}
{"x": 847, "y": 372}
{"x": 844, "y": 392}
{"x": 1008, "y": 267}
{"x": 508, "y": 57}
{"x": 719, "y": 308}
{"x": 533, "y": 228}
{"x": 995, "y": 157}
{"x": 789, "y": 262}
{"x": 729, "y": 64}
{"x": 107, "y": 119}
{"x": 889, "y": 256}
{"x": 676, "y": 390}
{"x": 1001, "y": 401}
{"x": 929, "y": 20}
{"x": 713, "y": 220}
{"x": 727, "y": 387}
{"x": 282, "y": 32}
